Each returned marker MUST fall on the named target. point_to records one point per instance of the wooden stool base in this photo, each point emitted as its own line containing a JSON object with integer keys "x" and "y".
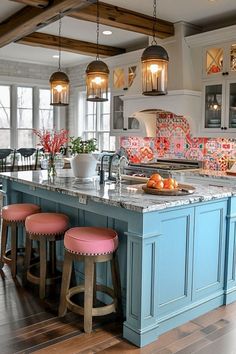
{"x": 89, "y": 288}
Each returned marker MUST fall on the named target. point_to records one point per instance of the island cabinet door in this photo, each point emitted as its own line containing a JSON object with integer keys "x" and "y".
{"x": 174, "y": 266}
{"x": 209, "y": 250}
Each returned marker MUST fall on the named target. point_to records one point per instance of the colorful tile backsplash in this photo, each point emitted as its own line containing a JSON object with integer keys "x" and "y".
{"x": 174, "y": 140}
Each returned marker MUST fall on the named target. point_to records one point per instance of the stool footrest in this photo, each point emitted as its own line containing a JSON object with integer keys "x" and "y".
{"x": 96, "y": 311}
{"x": 34, "y": 278}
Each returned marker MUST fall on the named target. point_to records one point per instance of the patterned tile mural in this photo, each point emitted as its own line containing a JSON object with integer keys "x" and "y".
{"x": 174, "y": 140}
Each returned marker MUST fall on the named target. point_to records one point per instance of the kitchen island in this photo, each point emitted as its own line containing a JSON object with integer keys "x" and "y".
{"x": 177, "y": 253}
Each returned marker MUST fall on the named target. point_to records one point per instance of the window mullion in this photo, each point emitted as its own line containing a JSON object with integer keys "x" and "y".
{"x": 14, "y": 135}
{"x": 35, "y": 111}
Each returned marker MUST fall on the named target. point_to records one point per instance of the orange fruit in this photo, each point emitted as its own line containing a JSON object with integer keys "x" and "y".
{"x": 151, "y": 183}
{"x": 176, "y": 184}
{"x": 159, "y": 185}
{"x": 156, "y": 177}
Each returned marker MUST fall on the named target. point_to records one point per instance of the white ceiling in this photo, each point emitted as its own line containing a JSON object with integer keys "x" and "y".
{"x": 199, "y": 12}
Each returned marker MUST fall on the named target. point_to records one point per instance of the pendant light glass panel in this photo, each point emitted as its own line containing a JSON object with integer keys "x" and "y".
{"x": 97, "y": 81}
{"x": 154, "y": 66}
{"x": 59, "y": 81}
{"x": 97, "y": 75}
{"x": 59, "y": 87}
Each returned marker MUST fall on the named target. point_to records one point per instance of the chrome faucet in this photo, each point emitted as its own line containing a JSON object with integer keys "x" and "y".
{"x": 118, "y": 176}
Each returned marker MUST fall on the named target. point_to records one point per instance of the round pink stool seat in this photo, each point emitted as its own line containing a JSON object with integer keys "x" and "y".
{"x": 91, "y": 240}
{"x": 47, "y": 224}
{"x": 19, "y": 212}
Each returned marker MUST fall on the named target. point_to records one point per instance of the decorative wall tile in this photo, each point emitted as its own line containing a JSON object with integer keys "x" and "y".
{"x": 174, "y": 140}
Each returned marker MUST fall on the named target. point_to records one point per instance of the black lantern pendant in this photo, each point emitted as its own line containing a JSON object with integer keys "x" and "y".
{"x": 59, "y": 82}
{"x": 97, "y": 75}
{"x": 154, "y": 66}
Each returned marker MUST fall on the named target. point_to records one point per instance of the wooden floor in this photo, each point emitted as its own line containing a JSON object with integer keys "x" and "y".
{"x": 30, "y": 326}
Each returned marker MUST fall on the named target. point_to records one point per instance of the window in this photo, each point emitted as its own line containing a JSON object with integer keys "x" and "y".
{"x": 5, "y": 116}
{"x": 95, "y": 123}
{"x": 21, "y": 110}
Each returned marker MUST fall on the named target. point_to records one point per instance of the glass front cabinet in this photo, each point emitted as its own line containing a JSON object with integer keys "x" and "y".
{"x": 219, "y": 89}
{"x": 219, "y": 109}
{"x": 122, "y": 78}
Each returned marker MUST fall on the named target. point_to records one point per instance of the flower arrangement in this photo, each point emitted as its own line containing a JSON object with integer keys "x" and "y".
{"x": 52, "y": 141}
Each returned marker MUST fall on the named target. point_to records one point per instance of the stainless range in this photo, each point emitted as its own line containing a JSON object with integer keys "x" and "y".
{"x": 165, "y": 167}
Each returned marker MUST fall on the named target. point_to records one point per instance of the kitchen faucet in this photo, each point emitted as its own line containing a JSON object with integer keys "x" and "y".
{"x": 101, "y": 181}
{"x": 118, "y": 176}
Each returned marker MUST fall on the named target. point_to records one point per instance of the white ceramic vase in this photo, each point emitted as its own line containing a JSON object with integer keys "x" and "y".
{"x": 83, "y": 165}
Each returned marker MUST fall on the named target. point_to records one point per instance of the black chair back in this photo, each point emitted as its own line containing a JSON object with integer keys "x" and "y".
{"x": 28, "y": 159}
{"x": 7, "y": 160}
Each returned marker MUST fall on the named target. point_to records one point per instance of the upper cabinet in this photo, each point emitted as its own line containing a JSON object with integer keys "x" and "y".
{"x": 219, "y": 90}
{"x": 220, "y": 60}
{"x": 122, "y": 78}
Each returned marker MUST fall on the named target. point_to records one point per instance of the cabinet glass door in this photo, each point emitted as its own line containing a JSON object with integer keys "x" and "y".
{"x": 233, "y": 58}
{"x": 119, "y": 78}
{"x": 118, "y": 116}
{"x": 232, "y": 105}
{"x": 213, "y": 106}
{"x": 214, "y": 61}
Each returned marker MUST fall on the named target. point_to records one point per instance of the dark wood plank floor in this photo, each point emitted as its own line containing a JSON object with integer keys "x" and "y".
{"x": 28, "y": 325}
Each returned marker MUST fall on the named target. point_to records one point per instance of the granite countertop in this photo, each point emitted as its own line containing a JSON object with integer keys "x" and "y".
{"x": 206, "y": 173}
{"x": 130, "y": 197}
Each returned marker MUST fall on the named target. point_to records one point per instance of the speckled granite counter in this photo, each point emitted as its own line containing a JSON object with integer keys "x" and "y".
{"x": 206, "y": 174}
{"x": 129, "y": 197}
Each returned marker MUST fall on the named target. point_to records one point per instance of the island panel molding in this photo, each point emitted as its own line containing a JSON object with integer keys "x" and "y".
{"x": 29, "y": 19}
{"x": 159, "y": 239}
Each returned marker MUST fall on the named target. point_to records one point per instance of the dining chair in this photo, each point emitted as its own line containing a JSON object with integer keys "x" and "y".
{"x": 7, "y": 160}
{"x": 28, "y": 159}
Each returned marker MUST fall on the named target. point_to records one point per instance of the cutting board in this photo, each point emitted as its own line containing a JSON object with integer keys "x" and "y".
{"x": 183, "y": 189}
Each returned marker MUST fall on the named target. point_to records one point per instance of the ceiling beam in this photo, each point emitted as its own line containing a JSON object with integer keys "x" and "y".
{"x": 44, "y": 40}
{"x": 29, "y": 19}
{"x": 125, "y": 19}
{"x": 35, "y": 3}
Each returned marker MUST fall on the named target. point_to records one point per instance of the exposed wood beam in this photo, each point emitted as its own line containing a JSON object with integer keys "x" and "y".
{"x": 115, "y": 16}
{"x": 38, "y": 39}
{"x": 29, "y": 19}
{"x": 35, "y": 3}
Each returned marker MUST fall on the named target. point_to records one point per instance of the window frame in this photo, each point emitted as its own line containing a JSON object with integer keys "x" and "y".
{"x": 35, "y": 110}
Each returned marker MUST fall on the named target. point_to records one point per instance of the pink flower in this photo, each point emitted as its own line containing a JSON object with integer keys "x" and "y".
{"x": 51, "y": 140}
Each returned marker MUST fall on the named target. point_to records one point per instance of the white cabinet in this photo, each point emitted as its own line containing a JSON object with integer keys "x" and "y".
{"x": 122, "y": 78}
{"x": 121, "y": 125}
{"x": 219, "y": 91}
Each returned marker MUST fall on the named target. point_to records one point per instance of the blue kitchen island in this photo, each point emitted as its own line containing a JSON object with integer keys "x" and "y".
{"x": 177, "y": 254}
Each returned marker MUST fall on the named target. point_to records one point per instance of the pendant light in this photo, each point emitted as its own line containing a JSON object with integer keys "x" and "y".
{"x": 154, "y": 65}
{"x": 59, "y": 81}
{"x": 97, "y": 75}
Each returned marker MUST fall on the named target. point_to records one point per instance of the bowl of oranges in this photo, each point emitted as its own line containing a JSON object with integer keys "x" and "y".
{"x": 166, "y": 186}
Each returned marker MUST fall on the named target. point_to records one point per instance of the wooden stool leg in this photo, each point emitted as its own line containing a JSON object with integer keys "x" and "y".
{"x": 88, "y": 293}
{"x": 95, "y": 286}
{"x": 13, "y": 249}
{"x": 28, "y": 250}
{"x": 65, "y": 284}
{"x": 43, "y": 267}
{"x": 116, "y": 284}
{"x": 52, "y": 251}
{"x": 3, "y": 239}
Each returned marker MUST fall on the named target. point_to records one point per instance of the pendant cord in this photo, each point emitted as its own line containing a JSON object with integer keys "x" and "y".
{"x": 59, "y": 43}
{"x": 154, "y": 28}
{"x": 97, "y": 31}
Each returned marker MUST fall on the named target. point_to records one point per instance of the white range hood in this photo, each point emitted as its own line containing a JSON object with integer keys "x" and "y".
{"x": 185, "y": 103}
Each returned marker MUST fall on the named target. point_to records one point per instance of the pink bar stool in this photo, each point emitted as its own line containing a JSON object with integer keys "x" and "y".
{"x": 44, "y": 227}
{"x": 12, "y": 216}
{"x": 91, "y": 245}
